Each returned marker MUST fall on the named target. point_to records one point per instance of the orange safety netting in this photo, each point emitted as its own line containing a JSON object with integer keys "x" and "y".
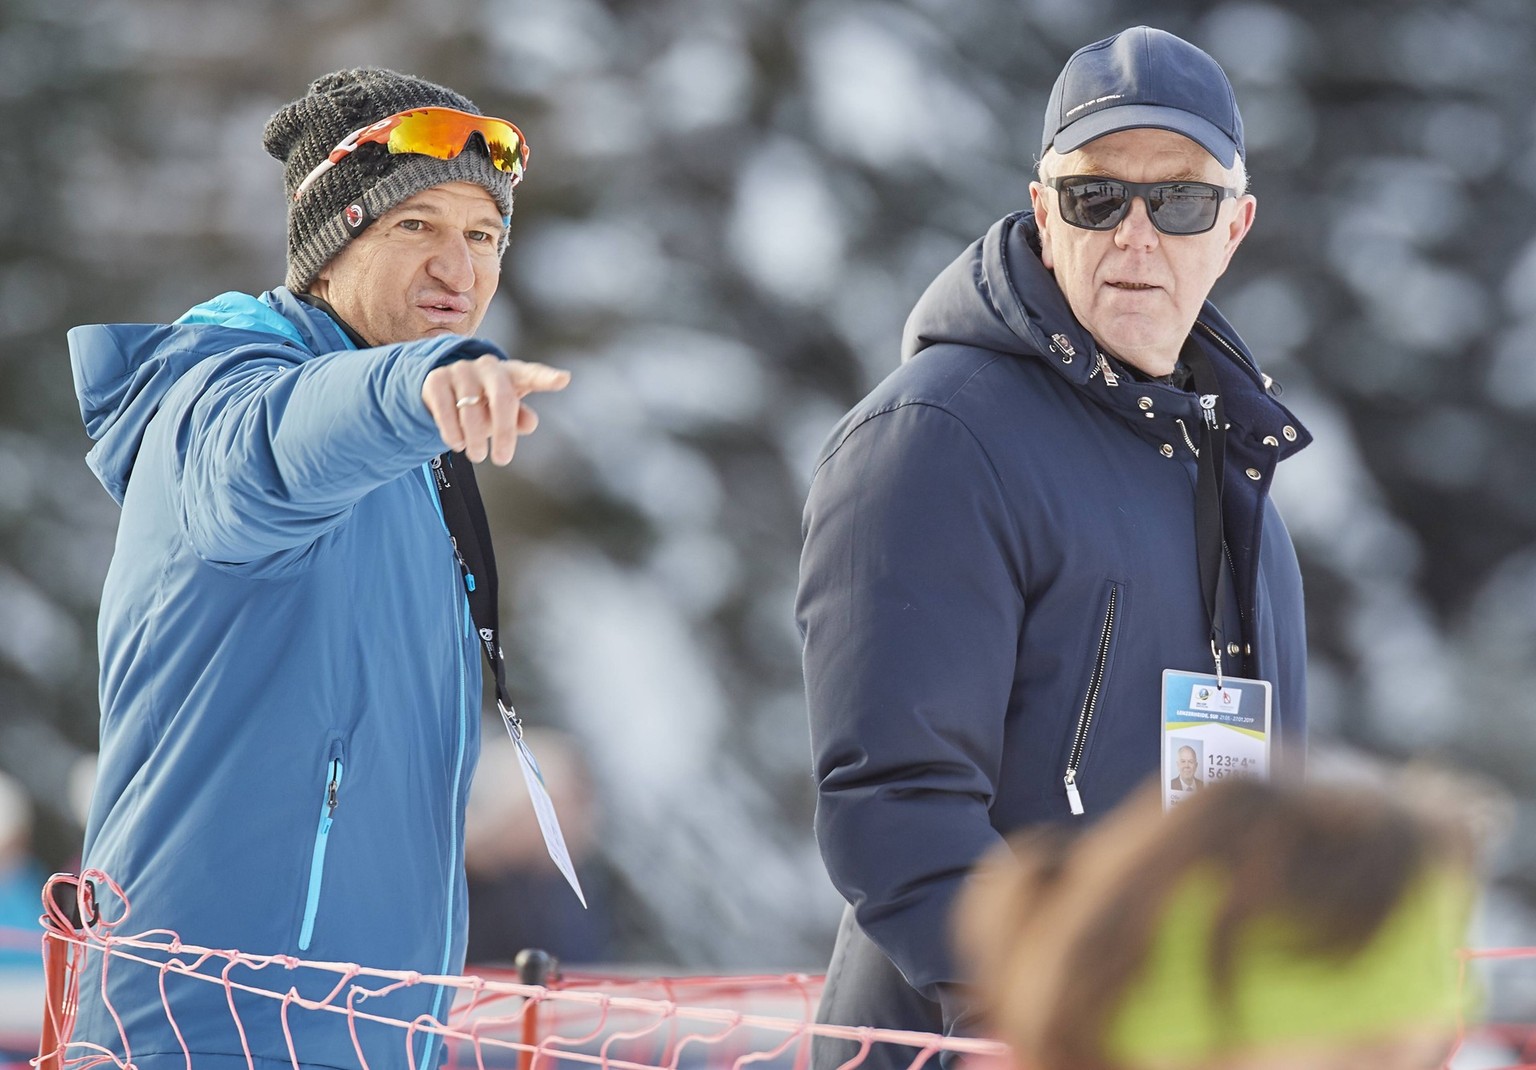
{"x": 529, "y": 1020}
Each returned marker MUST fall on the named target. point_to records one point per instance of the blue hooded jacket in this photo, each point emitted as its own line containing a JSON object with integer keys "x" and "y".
{"x": 290, "y": 683}
{"x": 999, "y": 563}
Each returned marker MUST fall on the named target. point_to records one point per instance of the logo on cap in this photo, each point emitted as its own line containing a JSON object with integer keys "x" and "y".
{"x": 1096, "y": 102}
{"x": 355, "y": 216}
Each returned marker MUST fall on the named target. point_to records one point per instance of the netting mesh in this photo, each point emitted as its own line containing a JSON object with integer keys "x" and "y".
{"x": 527, "y": 1020}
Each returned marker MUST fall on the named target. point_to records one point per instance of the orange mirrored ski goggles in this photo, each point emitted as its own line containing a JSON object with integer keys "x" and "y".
{"x": 439, "y": 132}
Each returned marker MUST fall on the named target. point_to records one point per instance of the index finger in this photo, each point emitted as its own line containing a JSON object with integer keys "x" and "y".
{"x": 531, "y": 378}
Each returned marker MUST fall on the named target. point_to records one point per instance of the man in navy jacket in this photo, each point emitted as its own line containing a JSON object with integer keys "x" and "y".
{"x": 1000, "y": 553}
{"x": 290, "y": 680}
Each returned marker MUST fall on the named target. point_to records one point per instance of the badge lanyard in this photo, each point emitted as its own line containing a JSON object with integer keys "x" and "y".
{"x": 464, "y": 513}
{"x": 1226, "y": 728}
{"x": 1210, "y": 543}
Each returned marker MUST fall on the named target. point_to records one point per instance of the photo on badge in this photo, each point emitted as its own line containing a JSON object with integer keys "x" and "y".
{"x": 1187, "y": 757}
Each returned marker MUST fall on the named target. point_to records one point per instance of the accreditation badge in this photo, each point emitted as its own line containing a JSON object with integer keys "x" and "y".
{"x": 543, "y": 805}
{"x": 1212, "y": 730}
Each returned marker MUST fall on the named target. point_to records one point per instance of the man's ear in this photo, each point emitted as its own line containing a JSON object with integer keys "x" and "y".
{"x": 1037, "y": 200}
{"x": 320, "y": 285}
{"x": 1241, "y": 224}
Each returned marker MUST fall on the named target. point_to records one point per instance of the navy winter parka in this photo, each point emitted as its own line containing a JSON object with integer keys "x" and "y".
{"x": 999, "y": 563}
{"x": 290, "y": 683}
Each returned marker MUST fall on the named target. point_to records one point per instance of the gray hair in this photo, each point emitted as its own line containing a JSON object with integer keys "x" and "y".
{"x": 1236, "y": 175}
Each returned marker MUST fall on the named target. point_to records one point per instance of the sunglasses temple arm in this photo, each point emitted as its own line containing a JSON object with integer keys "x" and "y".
{"x": 313, "y": 176}
{"x": 348, "y": 145}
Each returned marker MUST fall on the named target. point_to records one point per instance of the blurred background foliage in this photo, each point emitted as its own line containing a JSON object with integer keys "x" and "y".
{"x": 731, "y": 206}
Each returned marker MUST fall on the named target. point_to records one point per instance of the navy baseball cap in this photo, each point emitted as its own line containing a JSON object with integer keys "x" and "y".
{"x": 1140, "y": 78}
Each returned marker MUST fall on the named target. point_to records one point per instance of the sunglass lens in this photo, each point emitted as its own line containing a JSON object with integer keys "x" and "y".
{"x": 503, "y": 149}
{"x": 1094, "y": 204}
{"x": 444, "y": 134}
{"x": 1184, "y": 207}
{"x": 430, "y": 133}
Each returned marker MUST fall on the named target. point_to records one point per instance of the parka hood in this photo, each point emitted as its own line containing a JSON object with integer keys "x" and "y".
{"x": 124, "y": 371}
{"x": 996, "y": 295}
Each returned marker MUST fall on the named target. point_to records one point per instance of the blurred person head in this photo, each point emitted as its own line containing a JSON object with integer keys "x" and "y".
{"x": 15, "y": 827}
{"x": 1136, "y": 265}
{"x": 501, "y": 832}
{"x": 400, "y": 242}
{"x": 1257, "y": 926}
{"x": 517, "y": 899}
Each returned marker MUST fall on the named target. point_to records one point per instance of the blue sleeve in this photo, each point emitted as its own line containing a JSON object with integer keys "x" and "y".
{"x": 910, "y": 609}
{"x": 273, "y": 449}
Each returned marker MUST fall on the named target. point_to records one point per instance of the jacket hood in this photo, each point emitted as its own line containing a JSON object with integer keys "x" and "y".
{"x": 996, "y": 295}
{"x": 124, "y": 371}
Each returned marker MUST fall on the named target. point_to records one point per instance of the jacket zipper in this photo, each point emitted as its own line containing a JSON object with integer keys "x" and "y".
{"x": 1187, "y": 440}
{"x": 458, "y": 837}
{"x": 1214, "y": 335}
{"x": 317, "y": 856}
{"x": 456, "y": 865}
{"x": 1090, "y": 704}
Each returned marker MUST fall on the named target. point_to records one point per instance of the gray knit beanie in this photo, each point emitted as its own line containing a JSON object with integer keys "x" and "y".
{"x": 371, "y": 178}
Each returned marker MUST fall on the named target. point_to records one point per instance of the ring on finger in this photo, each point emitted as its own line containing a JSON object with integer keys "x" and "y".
{"x": 467, "y": 402}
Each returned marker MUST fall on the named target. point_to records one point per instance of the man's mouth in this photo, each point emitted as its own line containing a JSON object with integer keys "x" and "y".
{"x": 1133, "y": 286}
{"x": 445, "y": 309}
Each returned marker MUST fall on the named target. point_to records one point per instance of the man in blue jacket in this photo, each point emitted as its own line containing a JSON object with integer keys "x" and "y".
{"x": 290, "y": 688}
{"x": 1014, "y": 535}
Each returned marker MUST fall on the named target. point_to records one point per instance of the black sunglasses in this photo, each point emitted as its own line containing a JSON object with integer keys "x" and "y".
{"x": 1094, "y": 202}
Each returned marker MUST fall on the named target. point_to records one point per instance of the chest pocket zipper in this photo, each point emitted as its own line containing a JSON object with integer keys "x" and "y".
{"x": 1090, "y": 703}
{"x": 317, "y": 857}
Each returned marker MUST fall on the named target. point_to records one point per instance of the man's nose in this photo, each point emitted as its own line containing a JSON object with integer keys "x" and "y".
{"x": 453, "y": 265}
{"x": 1136, "y": 231}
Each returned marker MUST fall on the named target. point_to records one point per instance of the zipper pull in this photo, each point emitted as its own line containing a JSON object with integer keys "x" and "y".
{"x": 1074, "y": 797}
{"x": 469, "y": 577}
{"x": 333, "y": 789}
